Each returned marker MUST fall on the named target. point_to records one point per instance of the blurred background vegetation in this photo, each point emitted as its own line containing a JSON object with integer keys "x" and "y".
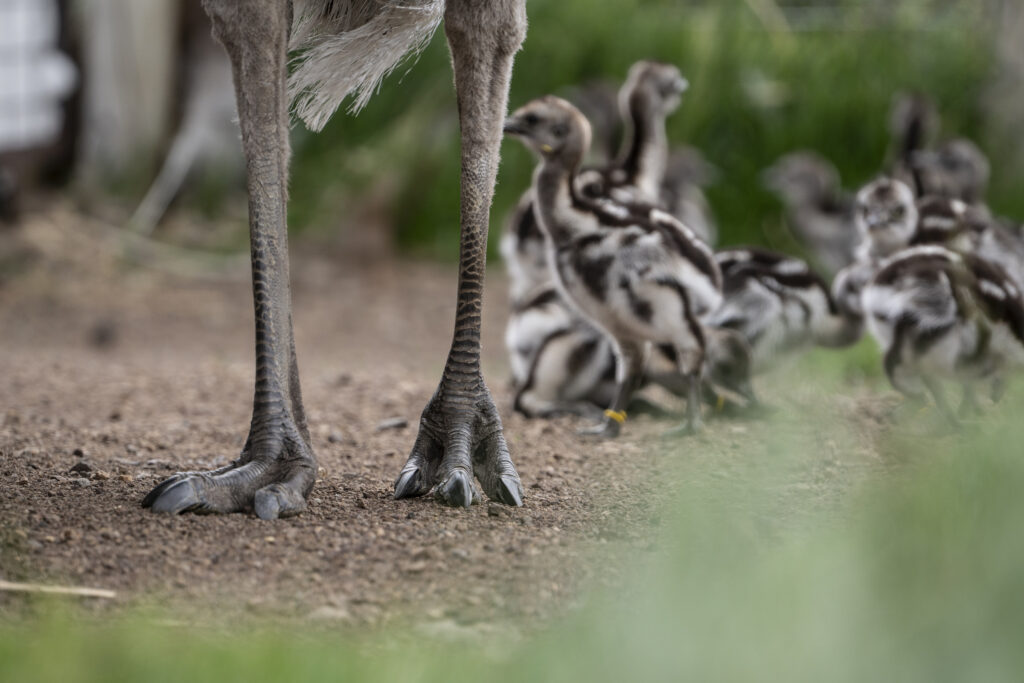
{"x": 766, "y": 78}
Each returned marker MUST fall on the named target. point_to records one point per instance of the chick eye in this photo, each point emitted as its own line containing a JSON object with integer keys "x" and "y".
{"x": 531, "y": 119}
{"x": 560, "y": 130}
{"x": 899, "y": 211}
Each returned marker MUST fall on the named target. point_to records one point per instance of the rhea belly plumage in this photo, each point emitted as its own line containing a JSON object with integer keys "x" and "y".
{"x": 633, "y": 290}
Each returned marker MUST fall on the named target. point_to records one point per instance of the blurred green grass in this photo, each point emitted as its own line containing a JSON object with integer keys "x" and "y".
{"x": 773, "y": 562}
{"x": 756, "y": 94}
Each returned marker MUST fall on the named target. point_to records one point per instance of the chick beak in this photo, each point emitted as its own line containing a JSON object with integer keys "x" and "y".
{"x": 681, "y": 85}
{"x": 875, "y": 221}
{"x": 514, "y": 126}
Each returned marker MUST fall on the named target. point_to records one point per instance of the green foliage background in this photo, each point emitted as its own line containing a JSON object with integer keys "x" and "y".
{"x": 756, "y": 93}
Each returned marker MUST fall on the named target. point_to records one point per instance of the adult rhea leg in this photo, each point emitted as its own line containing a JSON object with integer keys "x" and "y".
{"x": 460, "y": 431}
{"x": 277, "y": 467}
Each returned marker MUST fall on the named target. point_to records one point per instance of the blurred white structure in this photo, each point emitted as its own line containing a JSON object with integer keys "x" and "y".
{"x": 34, "y": 76}
{"x": 129, "y": 57}
{"x": 1006, "y": 93}
{"x": 208, "y": 134}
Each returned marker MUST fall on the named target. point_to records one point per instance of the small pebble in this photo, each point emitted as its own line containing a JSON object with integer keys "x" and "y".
{"x": 82, "y": 467}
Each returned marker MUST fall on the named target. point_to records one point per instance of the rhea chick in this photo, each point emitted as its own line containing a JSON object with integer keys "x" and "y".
{"x": 886, "y": 220}
{"x": 636, "y": 273}
{"x": 652, "y": 91}
{"x": 818, "y": 210}
{"x": 957, "y": 169}
{"x": 967, "y": 228}
{"x": 561, "y": 364}
{"x": 939, "y": 315}
{"x": 890, "y": 220}
{"x": 544, "y": 334}
{"x": 778, "y": 304}
{"x": 646, "y": 169}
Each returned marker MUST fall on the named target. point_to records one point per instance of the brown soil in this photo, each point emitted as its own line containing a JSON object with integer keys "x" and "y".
{"x": 115, "y": 376}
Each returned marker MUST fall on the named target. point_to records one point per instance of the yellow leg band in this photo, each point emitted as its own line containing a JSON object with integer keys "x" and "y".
{"x": 721, "y": 403}
{"x": 617, "y": 415}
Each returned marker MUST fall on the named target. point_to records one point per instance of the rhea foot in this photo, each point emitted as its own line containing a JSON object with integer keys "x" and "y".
{"x": 685, "y": 430}
{"x": 694, "y": 423}
{"x": 608, "y": 428}
{"x": 460, "y": 437}
{"x": 272, "y": 477}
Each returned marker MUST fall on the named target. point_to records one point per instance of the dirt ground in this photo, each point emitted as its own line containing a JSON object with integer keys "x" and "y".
{"x": 113, "y": 376}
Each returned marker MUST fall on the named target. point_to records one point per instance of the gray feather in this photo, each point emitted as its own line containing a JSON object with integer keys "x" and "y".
{"x": 347, "y": 47}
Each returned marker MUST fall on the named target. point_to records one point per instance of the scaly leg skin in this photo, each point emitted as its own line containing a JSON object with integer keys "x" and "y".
{"x": 460, "y": 436}
{"x": 969, "y": 406}
{"x": 629, "y": 360}
{"x": 694, "y": 422}
{"x": 950, "y": 420}
{"x": 998, "y": 389}
{"x": 277, "y": 468}
{"x": 460, "y": 431}
{"x": 691, "y": 367}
